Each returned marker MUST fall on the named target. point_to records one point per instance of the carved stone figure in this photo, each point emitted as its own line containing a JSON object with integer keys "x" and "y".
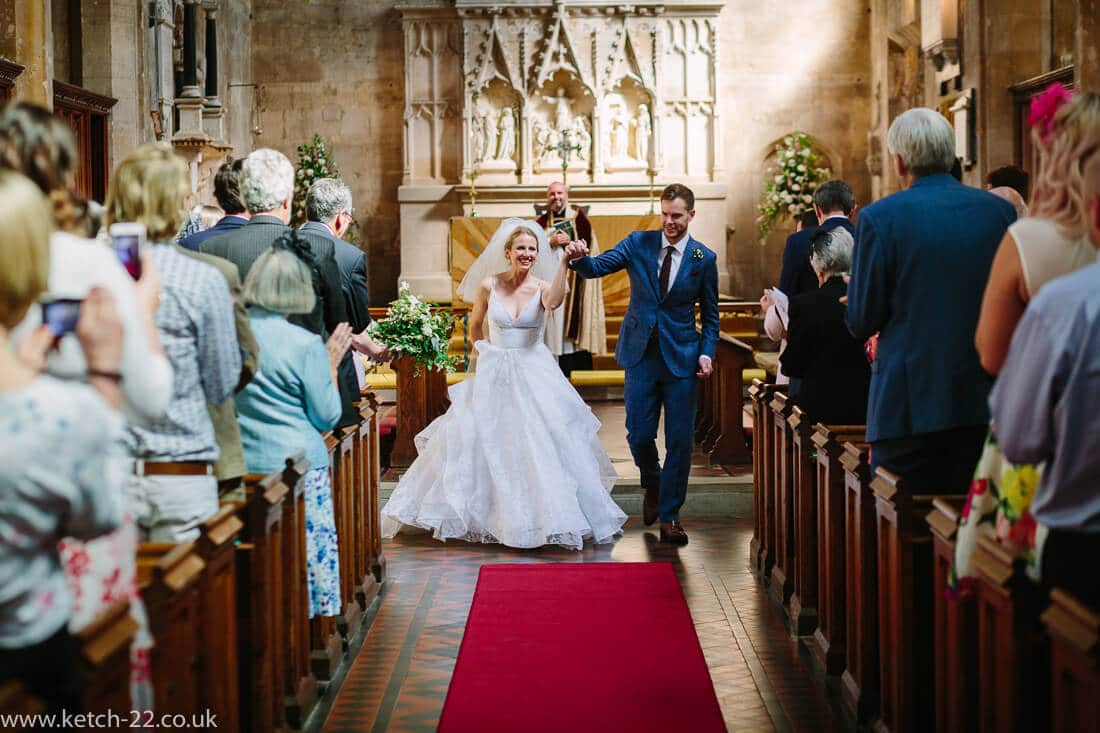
{"x": 563, "y": 111}
{"x": 582, "y": 137}
{"x": 619, "y": 129}
{"x": 643, "y": 130}
{"x": 477, "y": 136}
{"x": 506, "y": 147}
{"x": 489, "y": 135}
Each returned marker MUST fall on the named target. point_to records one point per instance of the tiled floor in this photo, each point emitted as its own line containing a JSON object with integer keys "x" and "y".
{"x": 399, "y": 680}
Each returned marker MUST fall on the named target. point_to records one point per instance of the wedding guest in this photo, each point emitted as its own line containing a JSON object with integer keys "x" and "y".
{"x": 173, "y": 488}
{"x": 1010, "y": 176}
{"x": 1045, "y": 405}
{"x": 102, "y": 571}
{"x": 1013, "y": 197}
{"x": 833, "y": 204}
{"x": 329, "y": 210}
{"x": 830, "y": 364}
{"x": 1034, "y": 252}
{"x": 921, "y": 260}
{"x": 294, "y": 397}
{"x": 57, "y": 467}
{"x": 227, "y": 192}
{"x": 267, "y": 185}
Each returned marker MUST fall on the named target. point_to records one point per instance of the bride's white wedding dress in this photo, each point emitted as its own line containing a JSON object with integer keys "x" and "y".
{"x": 515, "y": 459}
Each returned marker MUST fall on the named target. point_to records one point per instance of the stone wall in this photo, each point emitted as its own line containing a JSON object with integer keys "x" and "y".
{"x": 336, "y": 68}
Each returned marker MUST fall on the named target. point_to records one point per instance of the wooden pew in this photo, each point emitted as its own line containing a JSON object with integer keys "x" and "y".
{"x": 769, "y": 481}
{"x": 421, "y": 397}
{"x": 782, "y": 503}
{"x": 761, "y": 394}
{"x": 169, "y": 576}
{"x": 105, "y": 654}
{"x": 721, "y": 432}
{"x": 219, "y": 688}
{"x": 829, "y": 636}
{"x": 859, "y": 682}
{"x": 261, "y": 632}
{"x": 802, "y": 611}
{"x": 955, "y": 622}
{"x": 907, "y": 701}
{"x": 345, "y": 498}
{"x": 15, "y": 700}
{"x": 1013, "y": 658}
{"x": 1074, "y": 664}
{"x": 299, "y": 682}
{"x": 370, "y": 563}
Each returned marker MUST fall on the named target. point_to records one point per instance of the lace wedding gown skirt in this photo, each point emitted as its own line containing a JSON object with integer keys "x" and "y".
{"x": 515, "y": 459}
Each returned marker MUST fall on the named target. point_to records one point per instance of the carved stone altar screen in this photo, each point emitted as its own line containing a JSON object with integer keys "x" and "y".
{"x": 491, "y": 87}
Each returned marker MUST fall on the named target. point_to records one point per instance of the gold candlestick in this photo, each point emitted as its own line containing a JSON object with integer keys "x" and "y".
{"x": 652, "y": 174}
{"x": 473, "y": 194}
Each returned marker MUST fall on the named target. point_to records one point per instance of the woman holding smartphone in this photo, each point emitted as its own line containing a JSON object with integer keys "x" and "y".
{"x": 41, "y": 147}
{"x": 55, "y": 449}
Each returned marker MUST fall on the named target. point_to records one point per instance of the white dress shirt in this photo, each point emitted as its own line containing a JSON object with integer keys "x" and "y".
{"x": 677, "y": 256}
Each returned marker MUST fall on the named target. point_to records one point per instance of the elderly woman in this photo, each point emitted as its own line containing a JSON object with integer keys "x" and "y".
{"x": 292, "y": 398}
{"x": 821, "y": 352}
{"x": 56, "y": 470}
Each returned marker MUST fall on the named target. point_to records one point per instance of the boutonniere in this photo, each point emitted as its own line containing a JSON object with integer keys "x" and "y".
{"x": 697, "y": 254}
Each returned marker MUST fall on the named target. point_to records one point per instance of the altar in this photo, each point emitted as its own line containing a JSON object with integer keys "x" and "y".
{"x": 503, "y": 99}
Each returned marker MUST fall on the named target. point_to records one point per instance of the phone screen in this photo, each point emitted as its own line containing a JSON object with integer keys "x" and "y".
{"x": 60, "y": 316}
{"x": 128, "y": 249}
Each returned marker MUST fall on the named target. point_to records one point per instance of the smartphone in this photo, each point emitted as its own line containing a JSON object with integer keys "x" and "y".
{"x": 61, "y": 315}
{"x": 127, "y": 239}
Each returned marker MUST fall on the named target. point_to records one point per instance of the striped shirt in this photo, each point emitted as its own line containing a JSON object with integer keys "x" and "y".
{"x": 195, "y": 322}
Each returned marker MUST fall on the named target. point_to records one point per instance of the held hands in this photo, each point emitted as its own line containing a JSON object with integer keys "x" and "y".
{"x": 338, "y": 344}
{"x": 559, "y": 238}
{"x": 706, "y": 368}
{"x": 576, "y": 250}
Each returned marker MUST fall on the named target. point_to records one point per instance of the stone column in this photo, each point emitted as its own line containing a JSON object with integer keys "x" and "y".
{"x": 163, "y": 71}
{"x": 213, "y": 113}
{"x": 32, "y": 46}
{"x": 190, "y": 50}
{"x": 1086, "y": 56}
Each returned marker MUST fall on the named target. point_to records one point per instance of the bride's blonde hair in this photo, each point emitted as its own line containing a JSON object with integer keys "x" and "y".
{"x": 1073, "y": 137}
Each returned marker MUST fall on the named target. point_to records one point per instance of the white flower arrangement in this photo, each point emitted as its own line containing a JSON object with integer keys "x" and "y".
{"x": 412, "y": 328}
{"x": 789, "y": 191}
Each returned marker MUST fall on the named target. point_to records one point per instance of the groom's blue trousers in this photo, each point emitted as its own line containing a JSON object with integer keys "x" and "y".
{"x": 649, "y": 387}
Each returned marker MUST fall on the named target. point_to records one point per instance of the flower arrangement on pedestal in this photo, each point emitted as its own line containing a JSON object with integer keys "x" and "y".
{"x": 413, "y": 328}
{"x": 314, "y": 162}
{"x": 790, "y": 190}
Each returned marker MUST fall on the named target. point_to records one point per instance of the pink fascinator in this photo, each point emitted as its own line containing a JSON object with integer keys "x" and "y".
{"x": 1045, "y": 106}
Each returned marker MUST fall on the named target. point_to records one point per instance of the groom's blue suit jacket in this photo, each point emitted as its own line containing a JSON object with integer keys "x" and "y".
{"x": 673, "y": 317}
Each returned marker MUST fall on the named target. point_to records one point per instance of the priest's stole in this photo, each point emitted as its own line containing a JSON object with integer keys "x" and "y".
{"x": 470, "y": 235}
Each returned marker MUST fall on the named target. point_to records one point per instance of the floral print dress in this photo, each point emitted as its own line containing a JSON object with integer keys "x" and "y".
{"x": 322, "y": 552}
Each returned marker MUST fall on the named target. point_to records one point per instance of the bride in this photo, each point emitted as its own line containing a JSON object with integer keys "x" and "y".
{"x": 515, "y": 459}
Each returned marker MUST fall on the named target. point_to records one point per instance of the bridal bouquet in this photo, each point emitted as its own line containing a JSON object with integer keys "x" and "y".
{"x": 412, "y": 328}
{"x": 796, "y": 177}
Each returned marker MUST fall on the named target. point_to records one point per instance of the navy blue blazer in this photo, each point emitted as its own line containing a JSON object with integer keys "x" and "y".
{"x": 797, "y": 276}
{"x": 225, "y": 224}
{"x": 673, "y": 316}
{"x": 919, "y": 269}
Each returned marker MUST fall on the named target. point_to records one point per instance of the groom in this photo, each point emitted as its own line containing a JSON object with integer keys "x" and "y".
{"x": 659, "y": 347}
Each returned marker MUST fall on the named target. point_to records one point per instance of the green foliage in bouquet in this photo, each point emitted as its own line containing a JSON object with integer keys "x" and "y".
{"x": 314, "y": 162}
{"x": 790, "y": 188}
{"x": 412, "y": 328}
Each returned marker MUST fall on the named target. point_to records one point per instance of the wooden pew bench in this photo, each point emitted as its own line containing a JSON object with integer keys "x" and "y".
{"x": 782, "y": 500}
{"x": 1074, "y": 631}
{"x": 760, "y": 393}
{"x": 827, "y": 645}
{"x": 955, "y": 623}
{"x": 859, "y": 681}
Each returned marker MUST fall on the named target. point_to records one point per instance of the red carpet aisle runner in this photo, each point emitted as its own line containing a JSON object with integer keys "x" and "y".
{"x": 571, "y": 648}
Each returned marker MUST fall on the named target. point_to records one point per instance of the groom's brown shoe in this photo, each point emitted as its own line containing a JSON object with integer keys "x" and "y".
{"x": 673, "y": 533}
{"x": 649, "y": 504}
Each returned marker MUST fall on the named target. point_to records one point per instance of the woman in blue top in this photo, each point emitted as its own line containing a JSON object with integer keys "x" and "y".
{"x": 291, "y": 399}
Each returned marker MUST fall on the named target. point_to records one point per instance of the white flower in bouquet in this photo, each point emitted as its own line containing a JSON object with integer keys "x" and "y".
{"x": 801, "y": 168}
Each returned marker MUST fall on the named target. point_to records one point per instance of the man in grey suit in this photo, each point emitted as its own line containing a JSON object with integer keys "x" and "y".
{"x": 267, "y": 186}
{"x": 328, "y": 207}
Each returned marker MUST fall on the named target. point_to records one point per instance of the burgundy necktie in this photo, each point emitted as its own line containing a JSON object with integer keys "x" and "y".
{"x": 666, "y": 270}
